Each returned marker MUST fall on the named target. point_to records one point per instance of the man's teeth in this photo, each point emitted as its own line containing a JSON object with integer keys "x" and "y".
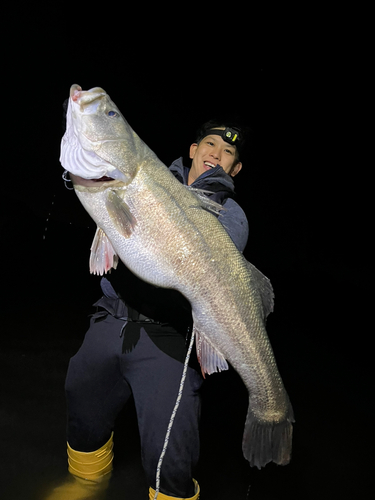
{"x": 208, "y": 164}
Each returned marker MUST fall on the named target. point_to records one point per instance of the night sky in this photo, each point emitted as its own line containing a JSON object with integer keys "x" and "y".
{"x": 303, "y": 185}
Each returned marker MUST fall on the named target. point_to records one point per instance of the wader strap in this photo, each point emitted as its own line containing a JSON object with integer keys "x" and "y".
{"x": 118, "y": 309}
{"x": 115, "y": 307}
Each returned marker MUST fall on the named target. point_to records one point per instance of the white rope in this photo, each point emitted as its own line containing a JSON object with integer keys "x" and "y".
{"x": 179, "y": 396}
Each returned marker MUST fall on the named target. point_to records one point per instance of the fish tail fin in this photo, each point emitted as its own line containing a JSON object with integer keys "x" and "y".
{"x": 265, "y": 442}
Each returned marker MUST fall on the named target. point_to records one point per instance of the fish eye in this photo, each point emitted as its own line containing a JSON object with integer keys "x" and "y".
{"x": 113, "y": 114}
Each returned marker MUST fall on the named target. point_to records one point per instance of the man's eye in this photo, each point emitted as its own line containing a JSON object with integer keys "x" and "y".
{"x": 229, "y": 151}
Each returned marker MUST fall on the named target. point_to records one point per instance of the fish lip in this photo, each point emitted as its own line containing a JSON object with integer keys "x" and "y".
{"x": 85, "y": 99}
{"x": 75, "y": 92}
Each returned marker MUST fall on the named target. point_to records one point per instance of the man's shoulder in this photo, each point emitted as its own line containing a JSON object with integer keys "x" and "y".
{"x": 232, "y": 208}
{"x": 179, "y": 170}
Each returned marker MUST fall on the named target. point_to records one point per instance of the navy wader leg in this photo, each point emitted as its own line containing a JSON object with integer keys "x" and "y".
{"x": 155, "y": 379}
{"x": 99, "y": 382}
{"x": 95, "y": 388}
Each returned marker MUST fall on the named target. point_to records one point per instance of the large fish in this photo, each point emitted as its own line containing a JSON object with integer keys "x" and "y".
{"x": 165, "y": 234}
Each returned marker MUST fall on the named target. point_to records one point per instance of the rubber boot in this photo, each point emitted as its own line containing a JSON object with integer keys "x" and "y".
{"x": 161, "y": 496}
{"x": 89, "y": 474}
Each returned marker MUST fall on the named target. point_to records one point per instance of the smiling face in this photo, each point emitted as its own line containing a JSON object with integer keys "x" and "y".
{"x": 211, "y": 151}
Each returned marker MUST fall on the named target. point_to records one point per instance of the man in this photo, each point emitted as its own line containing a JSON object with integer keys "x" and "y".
{"x": 137, "y": 344}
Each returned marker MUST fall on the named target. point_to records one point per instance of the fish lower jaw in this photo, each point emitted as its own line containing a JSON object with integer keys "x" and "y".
{"x": 81, "y": 183}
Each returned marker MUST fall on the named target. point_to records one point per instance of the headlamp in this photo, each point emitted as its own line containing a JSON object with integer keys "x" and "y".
{"x": 230, "y": 135}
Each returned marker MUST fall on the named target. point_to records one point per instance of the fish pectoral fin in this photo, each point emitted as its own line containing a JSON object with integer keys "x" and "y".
{"x": 103, "y": 256}
{"x": 210, "y": 359}
{"x": 120, "y": 214}
{"x": 206, "y": 203}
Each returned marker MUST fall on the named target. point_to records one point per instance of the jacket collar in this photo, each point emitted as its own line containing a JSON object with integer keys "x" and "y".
{"x": 213, "y": 176}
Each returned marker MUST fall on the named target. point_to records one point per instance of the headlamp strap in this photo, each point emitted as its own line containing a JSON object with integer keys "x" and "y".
{"x": 229, "y": 135}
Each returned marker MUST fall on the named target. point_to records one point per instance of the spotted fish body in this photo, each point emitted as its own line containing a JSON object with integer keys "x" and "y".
{"x": 165, "y": 234}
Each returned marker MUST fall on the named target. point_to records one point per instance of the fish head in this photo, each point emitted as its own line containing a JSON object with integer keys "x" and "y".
{"x": 98, "y": 142}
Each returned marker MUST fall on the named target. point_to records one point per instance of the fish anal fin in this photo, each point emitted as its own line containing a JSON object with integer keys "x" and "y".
{"x": 103, "y": 256}
{"x": 120, "y": 214}
{"x": 210, "y": 359}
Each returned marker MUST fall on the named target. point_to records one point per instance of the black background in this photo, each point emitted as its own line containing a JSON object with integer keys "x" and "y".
{"x": 302, "y": 88}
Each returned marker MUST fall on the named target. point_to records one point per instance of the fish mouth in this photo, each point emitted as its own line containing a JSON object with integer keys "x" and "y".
{"x": 82, "y": 181}
{"x": 87, "y": 100}
{"x": 104, "y": 179}
{"x": 78, "y": 155}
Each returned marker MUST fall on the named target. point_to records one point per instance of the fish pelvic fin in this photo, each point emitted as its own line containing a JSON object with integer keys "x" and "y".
{"x": 210, "y": 359}
{"x": 120, "y": 214}
{"x": 103, "y": 256}
{"x": 263, "y": 284}
{"x": 265, "y": 441}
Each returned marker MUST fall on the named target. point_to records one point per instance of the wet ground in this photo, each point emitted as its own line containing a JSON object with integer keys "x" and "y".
{"x": 321, "y": 356}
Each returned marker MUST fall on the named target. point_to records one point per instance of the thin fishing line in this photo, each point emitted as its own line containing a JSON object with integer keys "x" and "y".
{"x": 179, "y": 396}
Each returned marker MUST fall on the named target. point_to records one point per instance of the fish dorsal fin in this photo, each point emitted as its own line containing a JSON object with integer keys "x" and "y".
{"x": 210, "y": 359}
{"x": 103, "y": 256}
{"x": 263, "y": 284}
{"x": 120, "y": 214}
{"x": 206, "y": 203}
